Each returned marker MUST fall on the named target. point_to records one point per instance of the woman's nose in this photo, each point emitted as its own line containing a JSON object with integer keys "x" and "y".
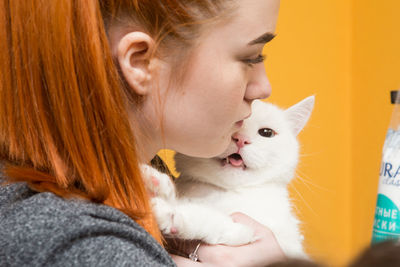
{"x": 240, "y": 140}
{"x": 259, "y": 86}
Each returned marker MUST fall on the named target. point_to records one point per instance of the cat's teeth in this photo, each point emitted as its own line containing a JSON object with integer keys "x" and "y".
{"x": 227, "y": 160}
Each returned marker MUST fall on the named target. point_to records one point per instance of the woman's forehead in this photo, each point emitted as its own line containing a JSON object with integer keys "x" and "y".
{"x": 252, "y": 19}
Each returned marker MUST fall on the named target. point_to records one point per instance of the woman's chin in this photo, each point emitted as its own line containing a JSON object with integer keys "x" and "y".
{"x": 207, "y": 154}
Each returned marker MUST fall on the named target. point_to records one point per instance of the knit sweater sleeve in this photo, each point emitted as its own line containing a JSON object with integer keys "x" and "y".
{"x": 41, "y": 229}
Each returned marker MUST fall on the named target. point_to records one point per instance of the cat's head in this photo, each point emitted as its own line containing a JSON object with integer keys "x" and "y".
{"x": 264, "y": 150}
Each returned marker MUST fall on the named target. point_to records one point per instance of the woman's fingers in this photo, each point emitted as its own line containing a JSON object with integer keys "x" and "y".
{"x": 181, "y": 247}
{"x": 183, "y": 262}
{"x": 263, "y": 251}
{"x": 267, "y": 240}
{"x": 217, "y": 255}
{"x": 258, "y": 228}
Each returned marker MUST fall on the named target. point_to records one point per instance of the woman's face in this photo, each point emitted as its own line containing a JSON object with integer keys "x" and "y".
{"x": 225, "y": 74}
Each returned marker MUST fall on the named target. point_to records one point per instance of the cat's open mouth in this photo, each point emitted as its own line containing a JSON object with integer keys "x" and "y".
{"x": 234, "y": 160}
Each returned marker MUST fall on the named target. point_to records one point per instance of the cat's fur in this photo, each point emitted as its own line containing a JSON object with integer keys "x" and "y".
{"x": 208, "y": 190}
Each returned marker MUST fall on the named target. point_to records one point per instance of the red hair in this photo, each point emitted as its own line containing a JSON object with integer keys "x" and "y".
{"x": 63, "y": 121}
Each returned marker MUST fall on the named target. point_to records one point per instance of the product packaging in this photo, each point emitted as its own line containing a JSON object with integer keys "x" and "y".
{"x": 387, "y": 213}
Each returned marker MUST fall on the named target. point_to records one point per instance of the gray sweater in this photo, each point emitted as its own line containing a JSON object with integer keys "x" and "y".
{"x": 41, "y": 229}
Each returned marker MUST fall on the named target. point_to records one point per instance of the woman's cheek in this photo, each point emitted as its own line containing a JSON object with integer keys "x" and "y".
{"x": 238, "y": 90}
{"x": 241, "y": 79}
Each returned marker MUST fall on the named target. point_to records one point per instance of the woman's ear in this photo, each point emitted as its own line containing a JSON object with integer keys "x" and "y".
{"x": 134, "y": 53}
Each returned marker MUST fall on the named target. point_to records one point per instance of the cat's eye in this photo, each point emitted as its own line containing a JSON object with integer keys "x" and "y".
{"x": 267, "y": 132}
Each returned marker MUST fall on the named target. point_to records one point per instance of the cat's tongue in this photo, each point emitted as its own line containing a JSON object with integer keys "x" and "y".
{"x": 235, "y": 161}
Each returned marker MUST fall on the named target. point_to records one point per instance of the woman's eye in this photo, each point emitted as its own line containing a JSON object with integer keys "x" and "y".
{"x": 267, "y": 132}
{"x": 252, "y": 61}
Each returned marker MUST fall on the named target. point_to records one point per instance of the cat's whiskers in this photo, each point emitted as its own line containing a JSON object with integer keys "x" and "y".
{"x": 298, "y": 177}
{"x": 305, "y": 202}
{"x": 294, "y": 207}
{"x": 306, "y": 182}
{"x": 303, "y": 177}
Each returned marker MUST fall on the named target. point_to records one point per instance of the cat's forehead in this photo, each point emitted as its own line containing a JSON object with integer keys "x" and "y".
{"x": 265, "y": 110}
{"x": 265, "y": 115}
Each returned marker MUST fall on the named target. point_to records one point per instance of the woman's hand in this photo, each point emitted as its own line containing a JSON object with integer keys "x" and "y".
{"x": 260, "y": 253}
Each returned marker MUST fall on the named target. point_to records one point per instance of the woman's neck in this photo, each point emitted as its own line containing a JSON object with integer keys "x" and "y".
{"x": 148, "y": 140}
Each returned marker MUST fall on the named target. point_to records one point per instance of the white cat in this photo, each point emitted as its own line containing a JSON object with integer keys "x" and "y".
{"x": 251, "y": 176}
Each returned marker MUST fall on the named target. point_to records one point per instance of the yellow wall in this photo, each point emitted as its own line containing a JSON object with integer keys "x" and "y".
{"x": 347, "y": 53}
{"x": 376, "y": 71}
{"x": 312, "y": 55}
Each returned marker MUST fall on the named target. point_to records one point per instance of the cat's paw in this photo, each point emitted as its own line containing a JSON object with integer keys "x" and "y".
{"x": 235, "y": 234}
{"x": 158, "y": 184}
{"x": 167, "y": 218}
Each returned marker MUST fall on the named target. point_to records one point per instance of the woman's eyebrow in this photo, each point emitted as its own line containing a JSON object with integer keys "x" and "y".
{"x": 263, "y": 39}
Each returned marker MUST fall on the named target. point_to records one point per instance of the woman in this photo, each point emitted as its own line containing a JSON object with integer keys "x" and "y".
{"x": 91, "y": 88}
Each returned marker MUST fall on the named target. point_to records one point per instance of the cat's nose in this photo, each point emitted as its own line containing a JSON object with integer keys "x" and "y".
{"x": 240, "y": 140}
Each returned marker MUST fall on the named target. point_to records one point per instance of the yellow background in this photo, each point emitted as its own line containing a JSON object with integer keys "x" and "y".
{"x": 346, "y": 53}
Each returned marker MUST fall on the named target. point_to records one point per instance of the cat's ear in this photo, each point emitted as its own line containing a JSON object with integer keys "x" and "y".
{"x": 299, "y": 113}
